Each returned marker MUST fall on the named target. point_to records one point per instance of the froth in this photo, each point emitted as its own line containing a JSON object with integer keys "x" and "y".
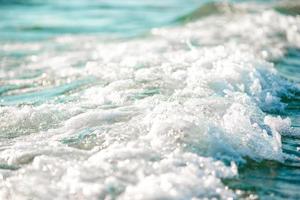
{"x": 168, "y": 117}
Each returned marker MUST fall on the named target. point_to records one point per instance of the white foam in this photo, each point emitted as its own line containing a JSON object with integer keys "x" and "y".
{"x": 164, "y": 113}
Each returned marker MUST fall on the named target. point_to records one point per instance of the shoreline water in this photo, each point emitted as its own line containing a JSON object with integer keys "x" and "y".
{"x": 204, "y": 109}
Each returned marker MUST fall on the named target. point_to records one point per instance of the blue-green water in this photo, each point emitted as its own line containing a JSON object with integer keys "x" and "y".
{"x": 149, "y": 99}
{"x": 34, "y": 19}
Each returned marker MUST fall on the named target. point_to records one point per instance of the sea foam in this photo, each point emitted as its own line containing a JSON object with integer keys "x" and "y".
{"x": 168, "y": 116}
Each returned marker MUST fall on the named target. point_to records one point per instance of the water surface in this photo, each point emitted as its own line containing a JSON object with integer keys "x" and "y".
{"x": 149, "y": 99}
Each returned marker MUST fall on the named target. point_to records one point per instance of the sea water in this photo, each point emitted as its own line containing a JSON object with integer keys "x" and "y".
{"x": 149, "y": 99}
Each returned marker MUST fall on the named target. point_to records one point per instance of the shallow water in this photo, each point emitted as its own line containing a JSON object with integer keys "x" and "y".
{"x": 37, "y": 19}
{"x": 149, "y": 100}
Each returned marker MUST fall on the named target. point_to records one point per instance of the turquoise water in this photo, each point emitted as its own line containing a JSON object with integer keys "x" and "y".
{"x": 34, "y": 19}
{"x": 149, "y": 99}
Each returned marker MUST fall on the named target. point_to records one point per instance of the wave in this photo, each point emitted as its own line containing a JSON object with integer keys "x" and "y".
{"x": 208, "y": 9}
{"x": 227, "y": 8}
{"x": 170, "y": 116}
